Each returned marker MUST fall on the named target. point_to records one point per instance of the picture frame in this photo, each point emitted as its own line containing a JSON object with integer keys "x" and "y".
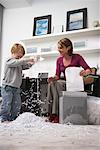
{"x": 76, "y": 19}
{"x": 42, "y": 25}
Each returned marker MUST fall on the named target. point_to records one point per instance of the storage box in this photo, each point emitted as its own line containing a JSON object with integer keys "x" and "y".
{"x": 93, "y": 110}
{"x": 73, "y": 108}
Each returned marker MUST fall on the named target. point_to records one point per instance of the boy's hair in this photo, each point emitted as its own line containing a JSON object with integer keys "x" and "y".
{"x": 66, "y": 42}
{"x": 17, "y": 47}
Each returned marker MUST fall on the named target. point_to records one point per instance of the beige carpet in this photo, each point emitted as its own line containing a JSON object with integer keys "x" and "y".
{"x": 29, "y": 132}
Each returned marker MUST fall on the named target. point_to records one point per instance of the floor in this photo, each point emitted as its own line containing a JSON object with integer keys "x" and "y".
{"x": 29, "y": 132}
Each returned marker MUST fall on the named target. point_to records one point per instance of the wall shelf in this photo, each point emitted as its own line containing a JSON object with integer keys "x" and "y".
{"x": 69, "y": 34}
{"x": 38, "y": 41}
{"x": 56, "y": 53}
{"x": 87, "y": 50}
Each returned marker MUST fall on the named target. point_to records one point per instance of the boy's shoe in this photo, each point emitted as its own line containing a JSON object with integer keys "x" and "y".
{"x": 2, "y": 120}
{"x": 6, "y": 121}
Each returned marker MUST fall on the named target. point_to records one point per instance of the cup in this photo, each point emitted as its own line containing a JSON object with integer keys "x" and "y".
{"x": 96, "y": 23}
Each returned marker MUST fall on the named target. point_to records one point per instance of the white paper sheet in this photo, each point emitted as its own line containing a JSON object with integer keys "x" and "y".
{"x": 74, "y": 82}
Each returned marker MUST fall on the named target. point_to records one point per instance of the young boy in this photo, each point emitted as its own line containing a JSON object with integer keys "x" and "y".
{"x": 10, "y": 91}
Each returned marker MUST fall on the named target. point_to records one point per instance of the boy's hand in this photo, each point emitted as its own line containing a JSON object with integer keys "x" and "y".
{"x": 31, "y": 61}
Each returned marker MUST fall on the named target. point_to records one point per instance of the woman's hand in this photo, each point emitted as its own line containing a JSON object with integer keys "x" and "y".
{"x": 51, "y": 79}
{"x": 85, "y": 72}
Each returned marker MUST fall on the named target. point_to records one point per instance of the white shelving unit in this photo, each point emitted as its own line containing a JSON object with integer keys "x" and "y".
{"x": 53, "y": 38}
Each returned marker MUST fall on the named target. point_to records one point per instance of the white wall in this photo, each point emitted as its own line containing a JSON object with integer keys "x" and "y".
{"x": 18, "y": 25}
{"x": 1, "y": 17}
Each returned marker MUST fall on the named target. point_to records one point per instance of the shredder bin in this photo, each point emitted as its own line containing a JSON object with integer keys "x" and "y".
{"x": 73, "y": 108}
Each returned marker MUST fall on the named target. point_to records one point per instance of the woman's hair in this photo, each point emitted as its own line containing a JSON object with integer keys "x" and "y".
{"x": 17, "y": 47}
{"x": 68, "y": 44}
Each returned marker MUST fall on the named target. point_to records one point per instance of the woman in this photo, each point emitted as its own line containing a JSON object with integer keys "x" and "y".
{"x": 57, "y": 83}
